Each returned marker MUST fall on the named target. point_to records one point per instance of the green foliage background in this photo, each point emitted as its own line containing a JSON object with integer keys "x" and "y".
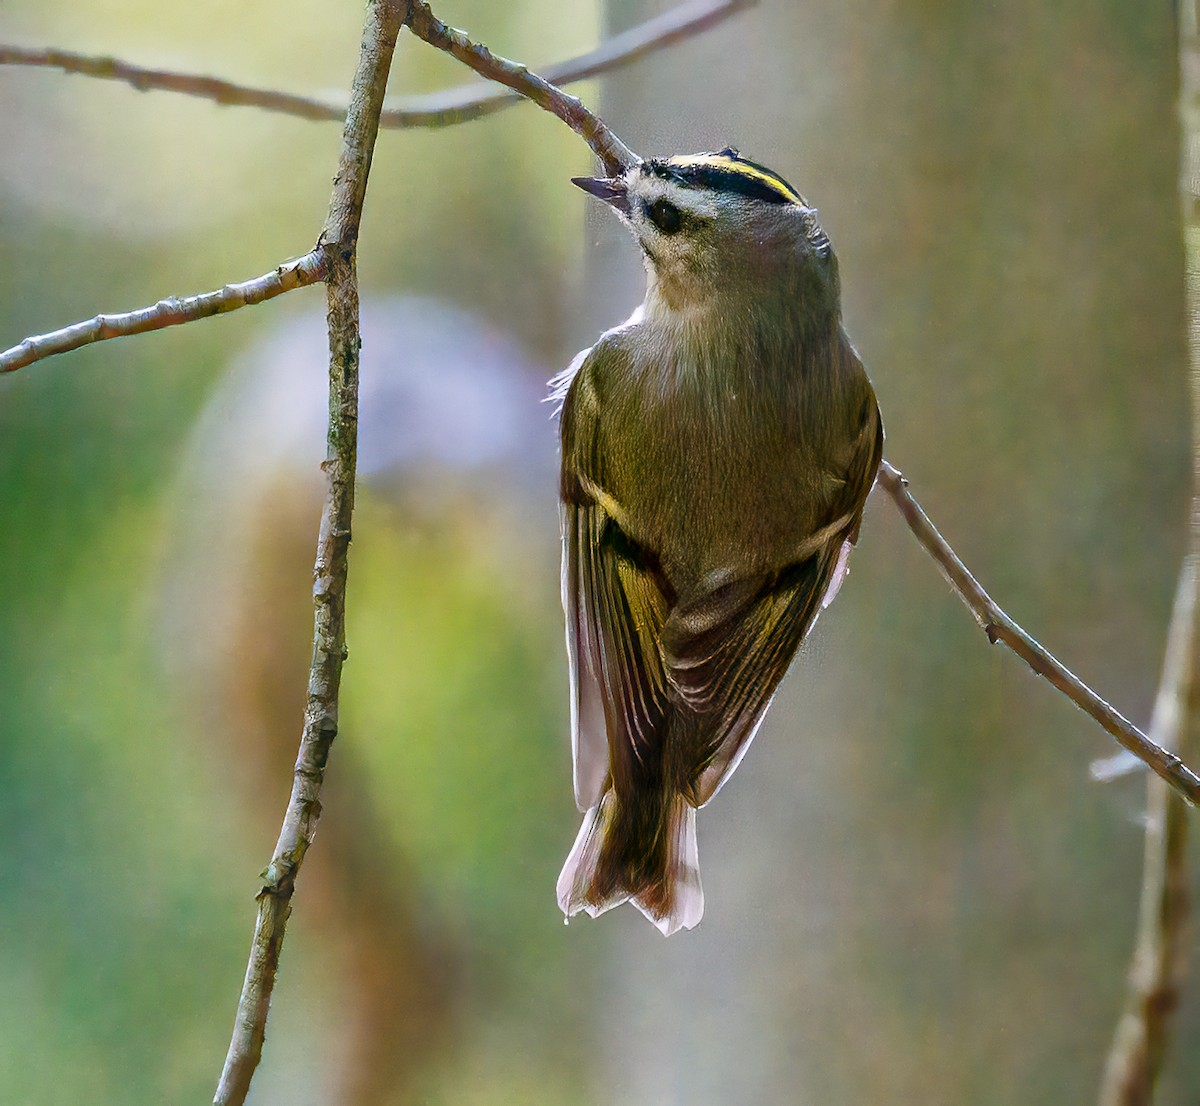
{"x": 915, "y": 895}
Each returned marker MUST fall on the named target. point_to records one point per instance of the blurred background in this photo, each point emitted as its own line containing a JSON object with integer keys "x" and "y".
{"x": 914, "y": 892}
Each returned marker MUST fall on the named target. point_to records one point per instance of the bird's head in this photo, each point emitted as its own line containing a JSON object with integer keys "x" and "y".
{"x": 718, "y": 228}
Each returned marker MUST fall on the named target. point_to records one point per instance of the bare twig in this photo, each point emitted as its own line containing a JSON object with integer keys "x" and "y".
{"x": 172, "y": 311}
{"x": 340, "y": 238}
{"x": 438, "y": 109}
{"x": 146, "y": 79}
{"x": 612, "y": 152}
{"x": 1160, "y": 954}
{"x": 614, "y": 155}
{"x": 999, "y": 627}
{"x": 458, "y": 105}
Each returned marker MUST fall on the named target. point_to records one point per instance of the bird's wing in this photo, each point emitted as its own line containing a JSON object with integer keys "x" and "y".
{"x": 616, "y": 601}
{"x": 589, "y": 740}
{"x": 727, "y": 648}
{"x": 616, "y": 606}
{"x": 726, "y": 652}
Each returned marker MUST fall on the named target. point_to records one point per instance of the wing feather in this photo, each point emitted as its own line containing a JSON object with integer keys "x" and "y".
{"x": 725, "y": 675}
{"x": 616, "y": 602}
{"x": 589, "y": 741}
{"x": 615, "y": 615}
{"x": 728, "y": 648}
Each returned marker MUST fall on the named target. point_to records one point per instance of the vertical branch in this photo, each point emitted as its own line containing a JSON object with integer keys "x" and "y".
{"x": 1160, "y": 952}
{"x": 1155, "y": 977}
{"x": 339, "y": 240}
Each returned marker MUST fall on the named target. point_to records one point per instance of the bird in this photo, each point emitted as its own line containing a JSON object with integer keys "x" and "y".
{"x": 717, "y": 452}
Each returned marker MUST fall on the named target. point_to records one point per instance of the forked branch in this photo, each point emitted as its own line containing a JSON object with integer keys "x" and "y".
{"x": 523, "y": 84}
{"x": 340, "y": 237}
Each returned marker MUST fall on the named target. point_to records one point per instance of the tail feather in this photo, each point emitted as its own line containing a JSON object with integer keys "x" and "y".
{"x": 616, "y": 858}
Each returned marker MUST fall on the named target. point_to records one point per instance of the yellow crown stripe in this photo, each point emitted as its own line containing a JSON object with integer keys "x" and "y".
{"x": 745, "y": 169}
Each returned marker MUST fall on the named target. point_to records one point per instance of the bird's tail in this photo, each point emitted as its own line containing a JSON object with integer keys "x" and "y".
{"x": 643, "y": 852}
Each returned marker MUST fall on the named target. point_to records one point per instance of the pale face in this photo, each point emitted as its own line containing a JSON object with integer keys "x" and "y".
{"x": 676, "y": 227}
{"x": 701, "y": 243}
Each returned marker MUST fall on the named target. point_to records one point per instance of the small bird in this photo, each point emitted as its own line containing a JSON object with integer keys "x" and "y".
{"x": 718, "y": 449}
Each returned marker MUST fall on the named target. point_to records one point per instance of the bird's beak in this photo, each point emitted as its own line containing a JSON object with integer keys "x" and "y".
{"x": 611, "y": 190}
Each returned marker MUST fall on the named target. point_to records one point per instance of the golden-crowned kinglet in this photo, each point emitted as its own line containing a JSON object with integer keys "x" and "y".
{"x": 717, "y": 451}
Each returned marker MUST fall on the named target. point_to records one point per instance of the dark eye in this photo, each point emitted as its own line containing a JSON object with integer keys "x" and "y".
{"x": 664, "y": 215}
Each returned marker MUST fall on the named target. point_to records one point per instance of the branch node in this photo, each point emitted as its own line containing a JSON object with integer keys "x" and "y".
{"x": 278, "y": 878}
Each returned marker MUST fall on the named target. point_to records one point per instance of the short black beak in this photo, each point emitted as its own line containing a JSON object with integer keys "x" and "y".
{"x": 611, "y": 190}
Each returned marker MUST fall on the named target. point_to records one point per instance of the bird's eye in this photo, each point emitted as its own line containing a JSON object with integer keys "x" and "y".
{"x": 665, "y": 215}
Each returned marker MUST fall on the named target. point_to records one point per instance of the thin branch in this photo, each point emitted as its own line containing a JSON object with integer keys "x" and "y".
{"x": 438, "y": 109}
{"x": 458, "y": 105}
{"x": 1160, "y": 952}
{"x": 172, "y": 311}
{"x": 146, "y": 79}
{"x": 1000, "y": 628}
{"x": 442, "y": 109}
{"x": 612, "y": 152}
{"x": 340, "y": 236}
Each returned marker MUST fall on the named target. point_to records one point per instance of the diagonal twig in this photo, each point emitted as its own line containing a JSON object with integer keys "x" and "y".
{"x": 172, "y": 311}
{"x": 340, "y": 236}
{"x": 437, "y": 109}
{"x": 999, "y": 627}
{"x": 612, "y": 152}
